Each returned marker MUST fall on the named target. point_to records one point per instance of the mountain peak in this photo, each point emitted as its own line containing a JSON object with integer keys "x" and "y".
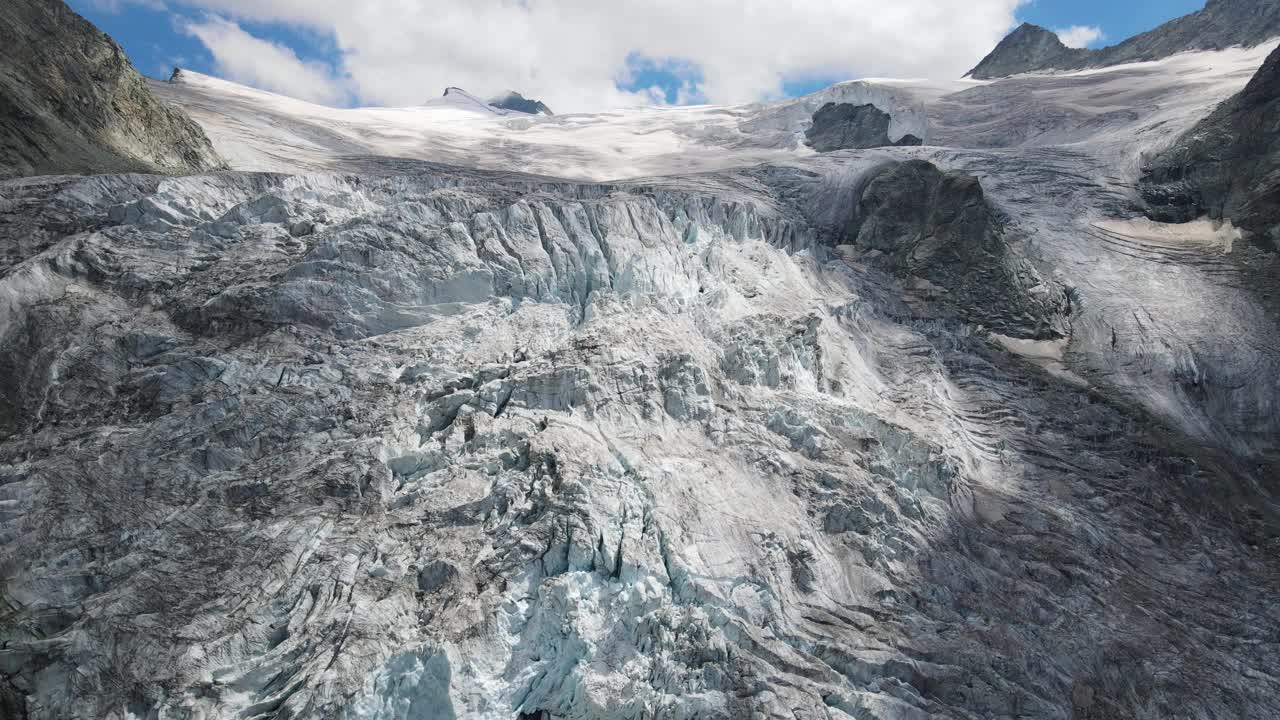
{"x": 1221, "y": 24}
{"x": 1031, "y": 30}
{"x": 512, "y": 100}
{"x": 456, "y": 97}
{"x": 1029, "y": 47}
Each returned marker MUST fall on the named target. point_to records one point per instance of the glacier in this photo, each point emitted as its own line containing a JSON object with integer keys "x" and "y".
{"x": 441, "y": 413}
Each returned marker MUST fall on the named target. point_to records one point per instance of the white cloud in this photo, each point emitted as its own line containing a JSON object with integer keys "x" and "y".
{"x": 115, "y": 7}
{"x": 570, "y": 53}
{"x": 1079, "y": 36}
{"x": 249, "y": 60}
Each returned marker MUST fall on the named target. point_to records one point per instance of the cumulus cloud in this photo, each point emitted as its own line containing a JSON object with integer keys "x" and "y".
{"x": 243, "y": 58}
{"x": 573, "y": 53}
{"x": 1079, "y": 36}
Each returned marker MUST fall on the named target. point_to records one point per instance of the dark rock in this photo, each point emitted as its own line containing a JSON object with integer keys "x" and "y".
{"x": 1227, "y": 166}
{"x": 70, "y": 102}
{"x": 1221, "y": 24}
{"x": 515, "y": 101}
{"x": 917, "y": 221}
{"x": 302, "y": 228}
{"x": 435, "y": 575}
{"x": 1028, "y": 48}
{"x": 844, "y": 126}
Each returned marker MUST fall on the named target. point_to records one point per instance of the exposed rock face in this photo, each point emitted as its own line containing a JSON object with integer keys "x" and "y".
{"x": 519, "y": 103}
{"x": 1221, "y": 24}
{"x": 936, "y": 226}
{"x": 844, "y": 126}
{"x": 1029, "y": 47}
{"x": 1228, "y": 166}
{"x": 70, "y": 102}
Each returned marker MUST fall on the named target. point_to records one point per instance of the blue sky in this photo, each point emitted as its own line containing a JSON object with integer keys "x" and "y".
{"x": 158, "y": 34}
{"x": 151, "y": 36}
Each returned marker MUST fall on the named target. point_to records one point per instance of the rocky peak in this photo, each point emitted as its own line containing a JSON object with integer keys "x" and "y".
{"x": 1028, "y": 48}
{"x": 512, "y": 100}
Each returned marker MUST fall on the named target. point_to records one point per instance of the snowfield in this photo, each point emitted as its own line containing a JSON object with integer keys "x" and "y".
{"x": 1137, "y": 103}
{"x": 257, "y": 130}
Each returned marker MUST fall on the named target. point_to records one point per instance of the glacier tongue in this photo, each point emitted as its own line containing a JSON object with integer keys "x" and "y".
{"x": 454, "y": 444}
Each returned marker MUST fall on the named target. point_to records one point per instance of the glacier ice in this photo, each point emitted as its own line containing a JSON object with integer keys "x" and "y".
{"x": 650, "y": 449}
{"x": 712, "y": 426}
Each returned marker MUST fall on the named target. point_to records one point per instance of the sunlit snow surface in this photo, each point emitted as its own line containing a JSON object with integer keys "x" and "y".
{"x": 256, "y": 130}
{"x": 1137, "y": 103}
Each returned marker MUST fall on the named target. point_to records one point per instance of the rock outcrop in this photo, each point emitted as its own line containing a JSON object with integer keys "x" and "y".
{"x": 70, "y": 102}
{"x": 513, "y": 100}
{"x": 1221, "y": 24}
{"x": 1227, "y": 166}
{"x": 845, "y": 126}
{"x": 937, "y": 227}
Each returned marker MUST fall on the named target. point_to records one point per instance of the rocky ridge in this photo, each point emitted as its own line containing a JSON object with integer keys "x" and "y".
{"x": 1221, "y": 24}
{"x": 70, "y": 102}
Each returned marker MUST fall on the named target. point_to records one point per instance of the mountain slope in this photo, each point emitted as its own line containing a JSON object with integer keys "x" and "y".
{"x": 1228, "y": 165}
{"x": 1221, "y": 24}
{"x": 1129, "y": 109}
{"x": 70, "y": 102}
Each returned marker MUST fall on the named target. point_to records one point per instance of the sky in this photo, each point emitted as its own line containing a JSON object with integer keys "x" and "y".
{"x": 588, "y": 55}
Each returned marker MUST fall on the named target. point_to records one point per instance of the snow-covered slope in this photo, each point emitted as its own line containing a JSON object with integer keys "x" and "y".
{"x": 256, "y": 130}
{"x": 452, "y": 99}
